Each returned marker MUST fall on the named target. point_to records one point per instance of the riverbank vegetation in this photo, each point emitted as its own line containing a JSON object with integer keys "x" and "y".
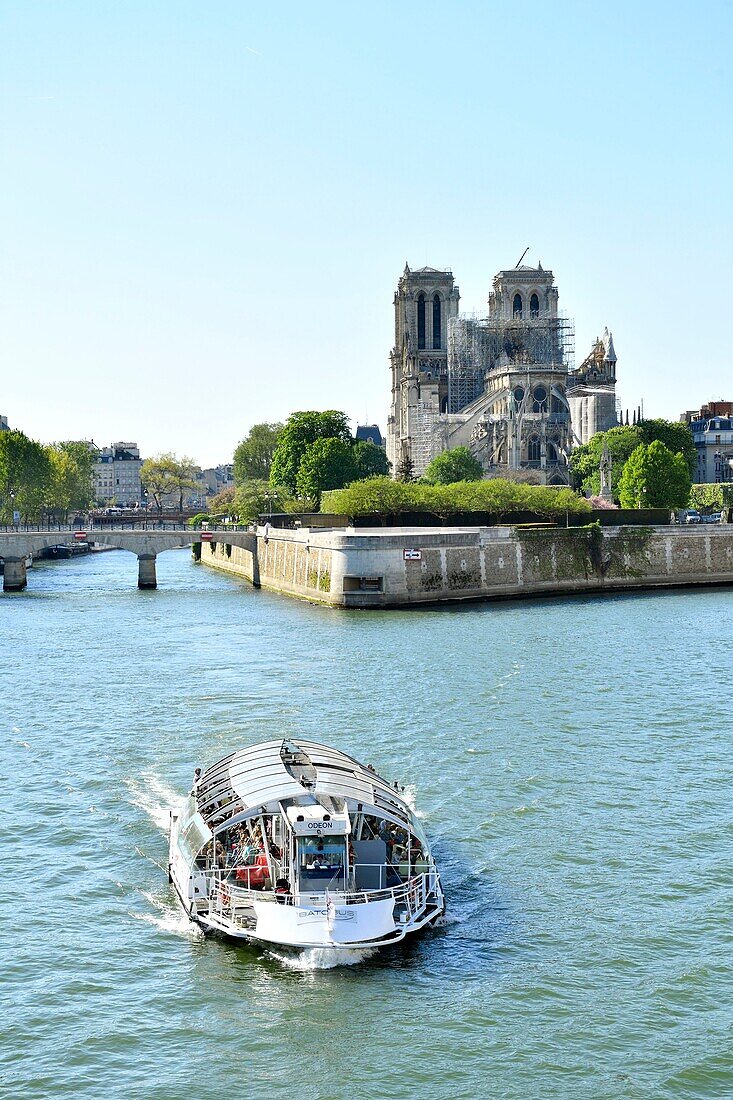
{"x": 653, "y": 477}
{"x": 383, "y": 496}
{"x": 40, "y": 482}
{"x": 286, "y": 467}
{"x": 621, "y": 442}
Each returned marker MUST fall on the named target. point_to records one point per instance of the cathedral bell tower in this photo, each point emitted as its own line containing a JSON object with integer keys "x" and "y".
{"x": 424, "y": 302}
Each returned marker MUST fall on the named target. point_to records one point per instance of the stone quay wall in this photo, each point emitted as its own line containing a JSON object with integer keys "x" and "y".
{"x": 392, "y": 567}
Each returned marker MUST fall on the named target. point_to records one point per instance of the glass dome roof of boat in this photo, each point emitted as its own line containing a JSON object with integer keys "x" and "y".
{"x": 275, "y": 771}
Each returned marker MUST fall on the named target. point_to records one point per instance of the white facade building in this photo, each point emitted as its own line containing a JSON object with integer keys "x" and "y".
{"x": 117, "y": 475}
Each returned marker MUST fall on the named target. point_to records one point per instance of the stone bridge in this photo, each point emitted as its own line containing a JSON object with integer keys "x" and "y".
{"x": 145, "y": 540}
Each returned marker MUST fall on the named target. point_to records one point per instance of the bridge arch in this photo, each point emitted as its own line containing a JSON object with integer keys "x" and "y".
{"x": 146, "y": 543}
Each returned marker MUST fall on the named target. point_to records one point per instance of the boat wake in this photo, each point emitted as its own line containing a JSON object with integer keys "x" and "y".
{"x": 155, "y": 798}
{"x": 167, "y": 916}
{"x": 409, "y": 793}
{"x": 323, "y": 958}
{"x": 446, "y": 919}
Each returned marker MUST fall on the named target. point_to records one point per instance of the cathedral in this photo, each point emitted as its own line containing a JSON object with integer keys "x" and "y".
{"x": 504, "y": 384}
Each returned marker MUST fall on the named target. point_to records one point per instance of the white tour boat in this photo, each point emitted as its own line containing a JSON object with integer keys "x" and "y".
{"x": 297, "y": 844}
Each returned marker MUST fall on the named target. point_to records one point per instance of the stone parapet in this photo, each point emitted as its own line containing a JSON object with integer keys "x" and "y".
{"x": 399, "y": 567}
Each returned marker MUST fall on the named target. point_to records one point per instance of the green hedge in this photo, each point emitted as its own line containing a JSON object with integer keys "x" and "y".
{"x": 383, "y": 496}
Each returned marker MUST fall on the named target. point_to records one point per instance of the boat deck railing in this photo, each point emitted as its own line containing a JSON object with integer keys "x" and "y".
{"x": 236, "y": 902}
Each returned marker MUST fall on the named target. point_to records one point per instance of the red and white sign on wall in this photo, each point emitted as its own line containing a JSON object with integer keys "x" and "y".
{"x": 206, "y": 536}
{"x": 412, "y": 555}
{"x": 80, "y": 535}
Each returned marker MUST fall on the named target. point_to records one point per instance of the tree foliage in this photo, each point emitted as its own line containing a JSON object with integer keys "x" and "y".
{"x": 167, "y": 477}
{"x": 457, "y": 464}
{"x": 223, "y": 501}
{"x": 585, "y": 461}
{"x": 383, "y": 496}
{"x": 253, "y": 457}
{"x": 302, "y": 429}
{"x": 326, "y": 464}
{"x": 25, "y": 476}
{"x": 256, "y": 496}
{"x": 371, "y": 461}
{"x": 711, "y": 496}
{"x": 36, "y": 480}
{"x": 70, "y": 486}
{"x": 675, "y": 436}
{"x": 622, "y": 442}
{"x": 405, "y": 471}
{"x": 653, "y": 477}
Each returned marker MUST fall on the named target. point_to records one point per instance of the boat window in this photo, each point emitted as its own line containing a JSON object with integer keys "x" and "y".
{"x": 320, "y": 860}
{"x": 193, "y": 838}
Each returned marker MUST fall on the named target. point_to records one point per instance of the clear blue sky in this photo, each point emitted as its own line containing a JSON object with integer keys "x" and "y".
{"x": 206, "y": 207}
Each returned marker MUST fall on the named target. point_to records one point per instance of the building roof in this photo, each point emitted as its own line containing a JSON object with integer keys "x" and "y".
{"x": 370, "y": 433}
{"x": 716, "y": 424}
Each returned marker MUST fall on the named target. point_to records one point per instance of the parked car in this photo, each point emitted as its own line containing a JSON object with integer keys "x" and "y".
{"x": 714, "y": 517}
{"x": 693, "y": 516}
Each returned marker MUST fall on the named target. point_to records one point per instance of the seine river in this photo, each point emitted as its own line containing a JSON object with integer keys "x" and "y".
{"x": 572, "y": 759}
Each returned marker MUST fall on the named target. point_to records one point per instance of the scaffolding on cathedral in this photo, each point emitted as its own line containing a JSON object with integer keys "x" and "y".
{"x": 425, "y": 444}
{"x": 477, "y": 345}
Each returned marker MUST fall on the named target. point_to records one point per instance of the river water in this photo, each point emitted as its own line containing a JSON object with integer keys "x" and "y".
{"x": 572, "y": 759}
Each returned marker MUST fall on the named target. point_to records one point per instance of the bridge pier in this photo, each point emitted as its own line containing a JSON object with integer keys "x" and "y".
{"x": 146, "y": 571}
{"x": 14, "y": 577}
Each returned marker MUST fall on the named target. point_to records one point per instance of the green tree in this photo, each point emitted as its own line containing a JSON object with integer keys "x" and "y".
{"x": 457, "y": 464}
{"x": 73, "y": 464}
{"x": 374, "y": 496}
{"x": 653, "y": 477}
{"x": 253, "y": 457}
{"x": 675, "y": 436}
{"x": 326, "y": 464}
{"x": 62, "y": 482}
{"x": 222, "y": 502}
{"x": 585, "y": 461}
{"x": 381, "y": 496}
{"x": 254, "y": 497}
{"x": 25, "y": 474}
{"x": 168, "y": 476}
{"x": 405, "y": 469}
{"x": 302, "y": 429}
{"x": 371, "y": 461}
{"x": 711, "y": 496}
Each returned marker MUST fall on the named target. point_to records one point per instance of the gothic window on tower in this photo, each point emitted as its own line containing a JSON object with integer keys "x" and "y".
{"x": 534, "y": 306}
{"x": 533, "y": 449}
{"x": 436, "y": 321}
{"x": 539, "y": 403}
{"x": 421, "y": 321}
{"x": 517, "y": 308}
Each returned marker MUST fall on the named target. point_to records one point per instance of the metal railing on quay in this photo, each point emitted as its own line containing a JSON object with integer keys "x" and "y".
{"x": 97, "y": 526}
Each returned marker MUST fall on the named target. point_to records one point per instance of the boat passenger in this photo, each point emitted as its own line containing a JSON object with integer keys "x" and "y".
{"x": 282, "y": 891}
